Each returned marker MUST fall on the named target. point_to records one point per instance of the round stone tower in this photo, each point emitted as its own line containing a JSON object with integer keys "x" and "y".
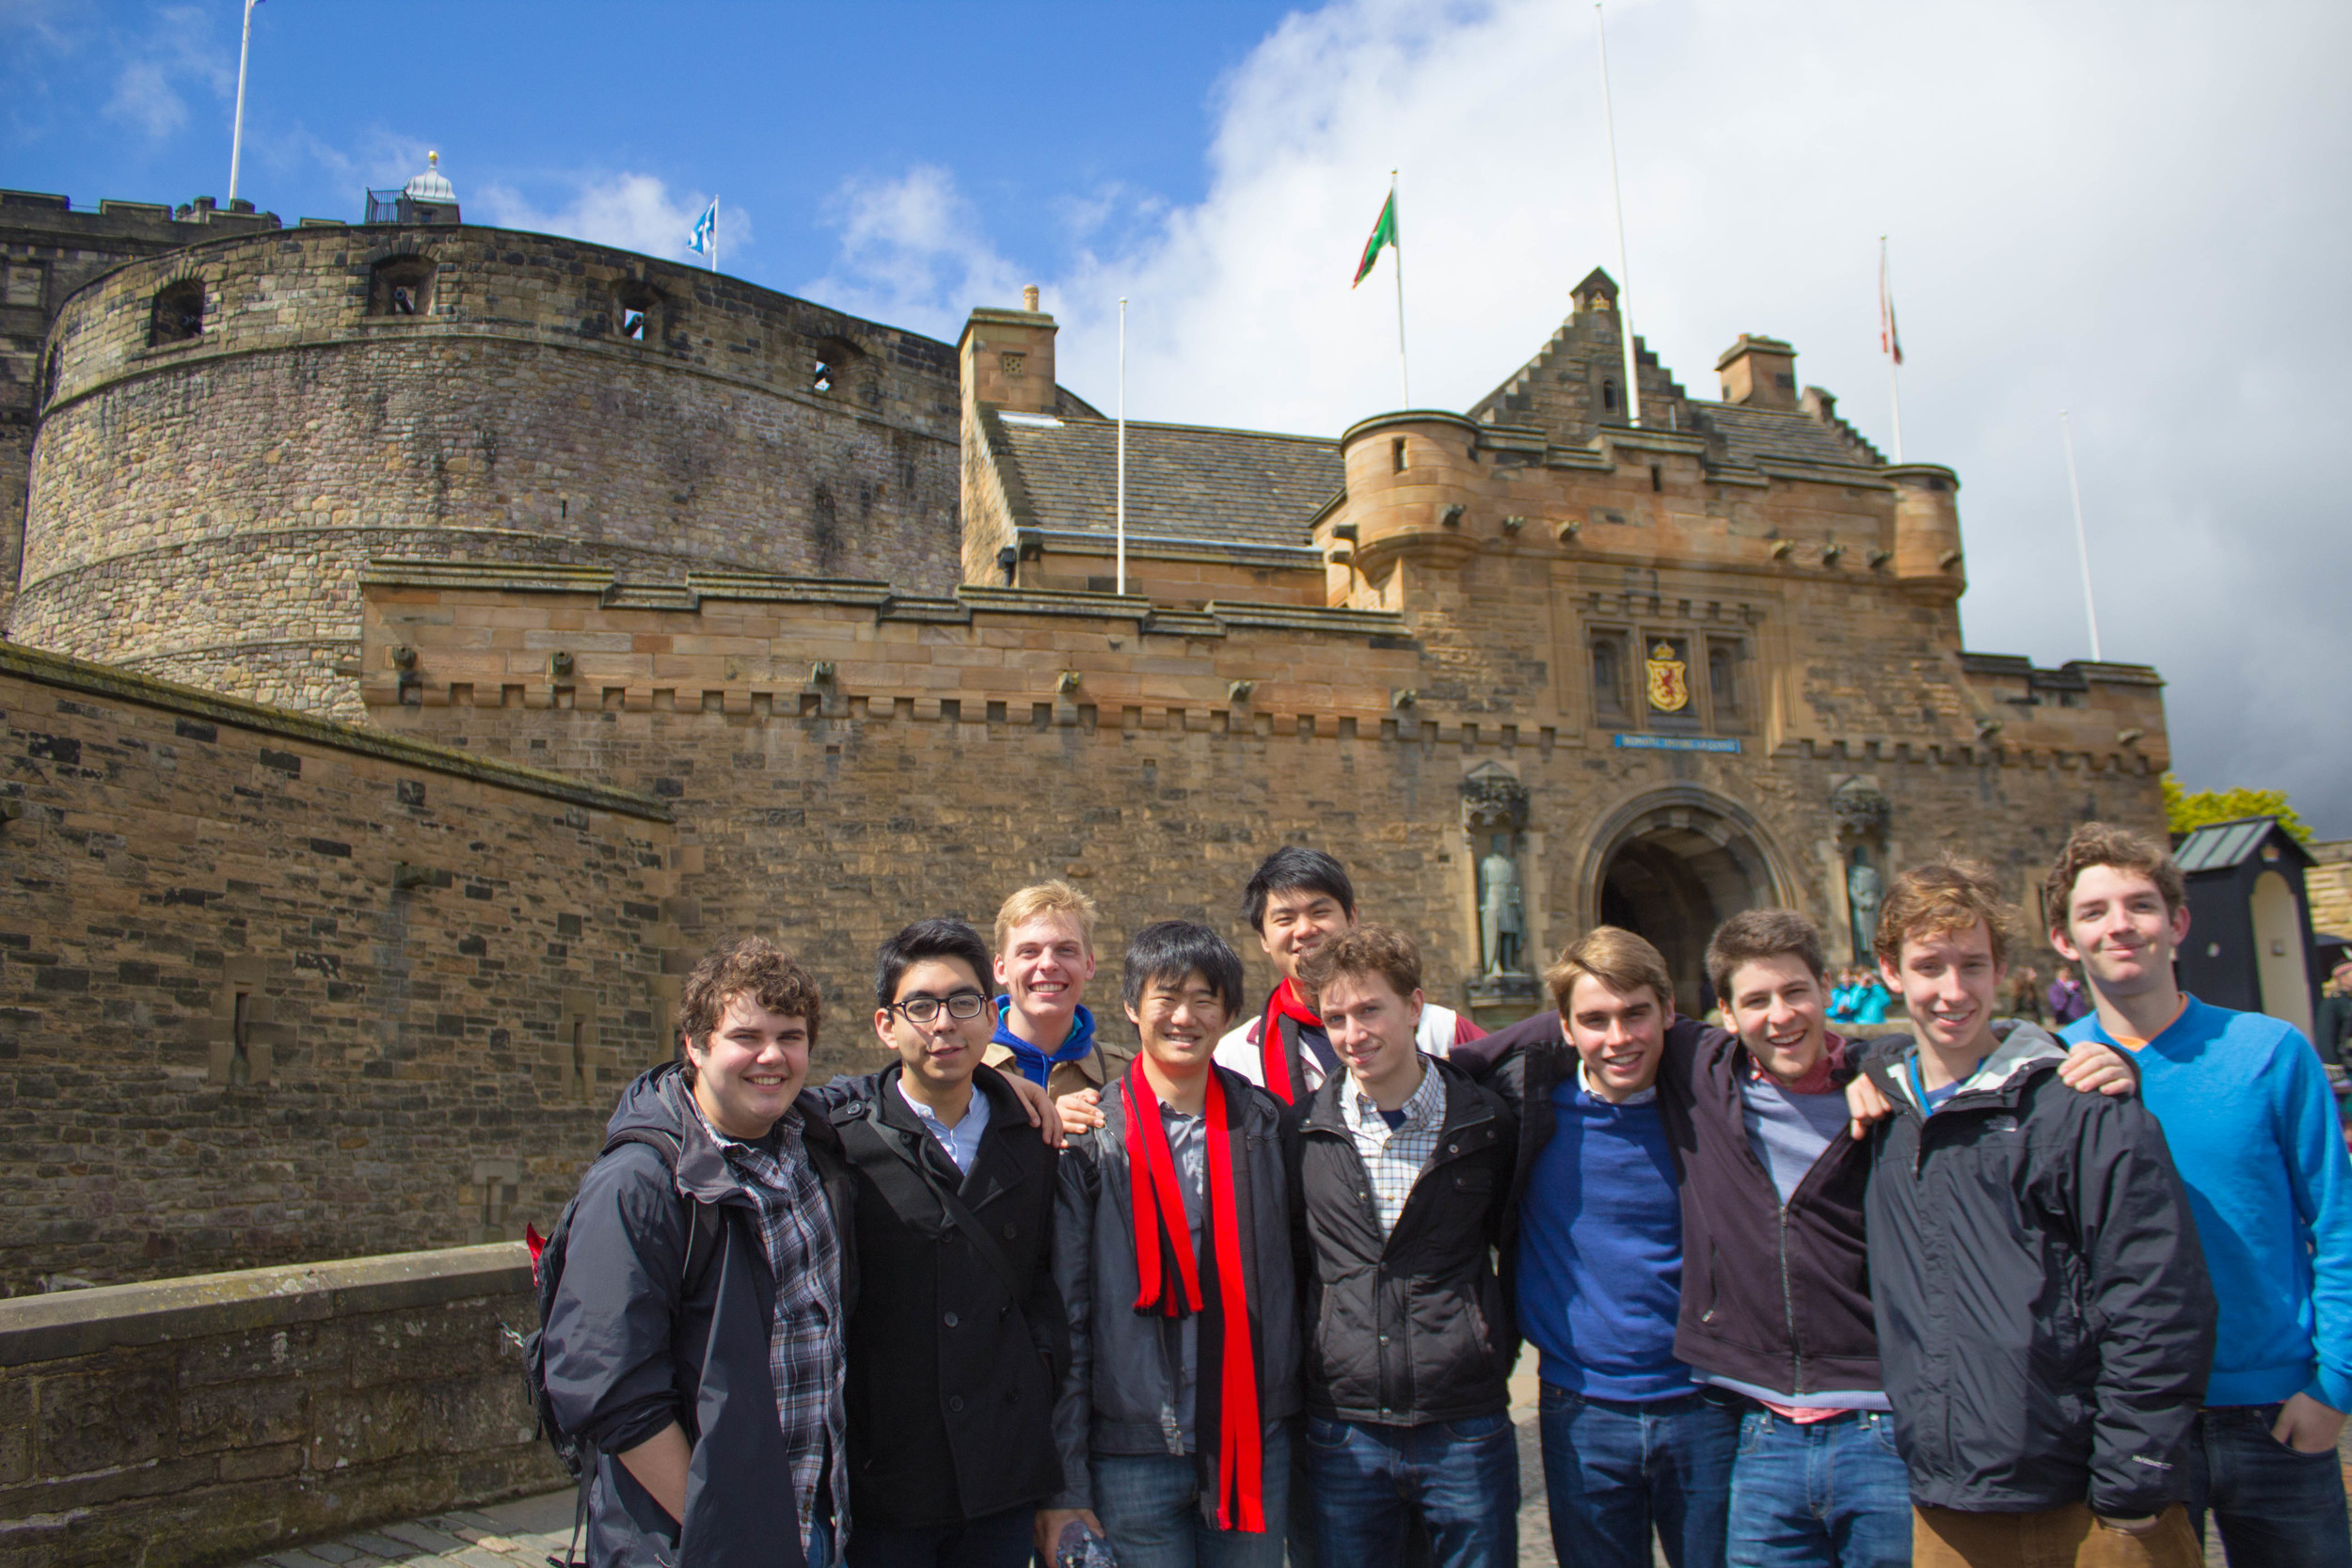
{"x": 1928, "y": 559}
{"x": 236, "y": 428}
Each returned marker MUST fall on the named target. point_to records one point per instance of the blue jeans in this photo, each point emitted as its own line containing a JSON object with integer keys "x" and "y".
{"x": 1460, "y": 1477}
{"x": 2277, "y": 1508}
{"x": 1150, "y": 1505}
{"x": 1829, "y": 1493}
{"x": 1614, "y": 1471}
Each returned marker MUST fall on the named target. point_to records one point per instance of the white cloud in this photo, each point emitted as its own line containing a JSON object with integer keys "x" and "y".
{"x": 2131, "y": 211}
{"x": 913, "y": 252}
{"x": 176, "y": 47}
{"x": 635, "y": 212}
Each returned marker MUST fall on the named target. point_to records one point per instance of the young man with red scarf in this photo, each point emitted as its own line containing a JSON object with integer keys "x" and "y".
{"x": 1172, "y": 1251}
{"x": 1298, "y": 899}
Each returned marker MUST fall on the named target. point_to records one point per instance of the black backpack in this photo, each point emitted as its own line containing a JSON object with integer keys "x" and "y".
{"x": 546, "y": 1272}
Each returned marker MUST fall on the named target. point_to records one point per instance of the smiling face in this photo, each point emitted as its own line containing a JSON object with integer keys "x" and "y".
{"x": 749, "y": 1067}
{"x": 941, "y": 1055}
{"x": 1779, "y": 1014}
{"x": 1044, "y": 969}
{"x": 1949, "y": 981}
{"x": 1373, "y": 1029}
{"x": 1178, "y": 1022}
{"x": 2118, "y": 928}
{"x": 1298, "y": 921}
{"x": 1619, "y": 1036}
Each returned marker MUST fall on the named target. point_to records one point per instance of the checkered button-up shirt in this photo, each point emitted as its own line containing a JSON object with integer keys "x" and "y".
{"x": 805, "y": 1349}
{"x": 1395, "y": 1156}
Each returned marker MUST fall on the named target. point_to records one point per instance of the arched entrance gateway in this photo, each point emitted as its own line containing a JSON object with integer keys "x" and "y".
{"x": 1672, "y": 867}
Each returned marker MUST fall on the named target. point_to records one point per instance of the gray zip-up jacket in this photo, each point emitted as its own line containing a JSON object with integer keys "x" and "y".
{"x": 1120, "y": 1395}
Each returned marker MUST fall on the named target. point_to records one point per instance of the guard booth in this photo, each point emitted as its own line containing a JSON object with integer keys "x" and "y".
{"x": 2249, "y": 930}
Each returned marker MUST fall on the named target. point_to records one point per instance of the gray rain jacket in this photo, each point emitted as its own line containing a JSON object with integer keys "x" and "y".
{"x": 2044, "y": 1316}
{"x": 1120, "y": 1394}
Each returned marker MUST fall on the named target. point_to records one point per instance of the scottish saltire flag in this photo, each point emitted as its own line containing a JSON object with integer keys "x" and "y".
{"x": 705, "y": 238}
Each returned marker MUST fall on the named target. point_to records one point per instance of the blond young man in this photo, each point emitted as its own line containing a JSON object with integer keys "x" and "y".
{"x": 2044, "y": 1319}
{"x": 1044, "y": 959}
{"x": 2247, "y": 1108}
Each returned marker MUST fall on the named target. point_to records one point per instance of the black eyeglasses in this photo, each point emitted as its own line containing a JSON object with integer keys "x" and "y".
{"x": 925, "y": 1010}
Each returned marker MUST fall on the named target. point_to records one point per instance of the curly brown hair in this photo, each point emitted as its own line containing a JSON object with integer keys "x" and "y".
{"x": 1949, "y": 894}
{"x": 752, "y": 967}
{"x": 2119, "y": 848}
{"x": 1366, "y": 950}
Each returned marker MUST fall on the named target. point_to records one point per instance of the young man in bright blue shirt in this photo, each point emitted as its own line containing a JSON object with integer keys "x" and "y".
{"x": 2252, "y": 1126}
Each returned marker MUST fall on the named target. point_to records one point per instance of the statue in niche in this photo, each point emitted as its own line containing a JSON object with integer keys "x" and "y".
{"x": 1864, "y": 892}
{"x": 1502, "y": 910}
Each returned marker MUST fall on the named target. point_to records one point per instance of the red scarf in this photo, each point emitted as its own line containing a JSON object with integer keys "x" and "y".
{"x": 1170, "y": 1278}
{"x": 1275, "y": 1048}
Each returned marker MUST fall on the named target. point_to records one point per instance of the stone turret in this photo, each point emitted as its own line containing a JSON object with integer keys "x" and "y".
{"x": 1928, "y": 559}
{"x": 1410, "y": 476}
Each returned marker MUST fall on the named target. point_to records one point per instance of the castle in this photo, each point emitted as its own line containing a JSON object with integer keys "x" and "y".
{"x": 425, "y": 639}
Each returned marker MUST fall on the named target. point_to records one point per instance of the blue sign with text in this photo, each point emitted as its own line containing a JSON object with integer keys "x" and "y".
{"x": 1677, "y": 743}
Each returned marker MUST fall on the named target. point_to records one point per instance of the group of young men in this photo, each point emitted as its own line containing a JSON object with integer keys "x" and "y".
{"x": 1957, "y": 1295}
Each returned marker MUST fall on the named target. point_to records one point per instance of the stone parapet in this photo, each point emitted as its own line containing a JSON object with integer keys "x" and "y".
{"x": 200, "y": 1420}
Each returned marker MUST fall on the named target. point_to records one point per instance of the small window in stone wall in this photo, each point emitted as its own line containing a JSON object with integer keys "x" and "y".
{"x": 1608, "y": 397}
{"x": 178, "y": 313}
{"x": 1723, "y": 658}
{"x": 1608, "y": 669}
{"x": 50, "y": 368}
{"x": 632, "y": 311}
{"x": 841, "y": 368}
{"x": 401, "y": 286}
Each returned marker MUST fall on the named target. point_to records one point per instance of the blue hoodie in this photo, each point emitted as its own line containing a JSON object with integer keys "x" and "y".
{"x": 1033, "y": 1063}
{"x": 2252, "y": 1127}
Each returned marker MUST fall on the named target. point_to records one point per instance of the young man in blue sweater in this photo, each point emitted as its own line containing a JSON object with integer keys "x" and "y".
{"x": 1594, "y": 1242}
{"x": 2245, "y": 1107}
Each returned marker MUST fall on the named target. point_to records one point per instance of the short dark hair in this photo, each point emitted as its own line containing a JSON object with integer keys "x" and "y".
{"x": 1168, "y": 950}
{"x": 752, "y": 967}
{"x": 1366, "y": 950}
{"x": 1291, "y": 867}
{"x": 927, "y": 939}
{"x": 1754, "y": 934}
{"x": 2118, "y": 849}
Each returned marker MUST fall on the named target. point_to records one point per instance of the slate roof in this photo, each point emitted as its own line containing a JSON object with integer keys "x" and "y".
{"x": 1183, "y": 482}
{"x": 1770, "y": 435}
{"x": 2219, "y": 846}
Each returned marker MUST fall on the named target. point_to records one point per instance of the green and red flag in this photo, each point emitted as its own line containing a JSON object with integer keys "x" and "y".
{"x": 1383, "y": 233}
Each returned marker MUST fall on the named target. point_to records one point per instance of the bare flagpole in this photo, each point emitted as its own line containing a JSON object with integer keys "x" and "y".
{"x": 1625, "y": 293}
{"x": 1122, "y": 447}
{"x": 236, "y": 137}
{"x": 2082, "y": 540}
{"x": 1396, "y": 245}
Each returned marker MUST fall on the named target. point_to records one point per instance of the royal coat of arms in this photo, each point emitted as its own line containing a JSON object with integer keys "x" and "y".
{"x": 1669, "y": 690}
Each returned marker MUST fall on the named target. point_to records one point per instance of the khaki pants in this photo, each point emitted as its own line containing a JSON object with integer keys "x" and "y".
{"x": 2065, "y": 1537}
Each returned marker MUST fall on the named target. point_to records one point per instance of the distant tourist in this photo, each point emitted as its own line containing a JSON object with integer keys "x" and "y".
{"x": 2045, "y": 1325}
{"x": 1172, "y": 1250}
{"x": 957, "y": 1344}
{"x": 2025, "y": 994}
{"x": 1402, "y": 1167}
{"x": 2332, "y": 1032}
{"x": 1296, "y": 900}
{"x": 647, "y": 1339}
{"x": 2253, "y": 1126}
{"x": 2065, "y": 998}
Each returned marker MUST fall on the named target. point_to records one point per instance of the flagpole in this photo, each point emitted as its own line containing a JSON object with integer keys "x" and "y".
{"x": 1886, "y": 326}
{"x": 1122, "y": 447}
{"x": 714, "y": 235}
{"x": 1625, "y": 287}
{"x": 2082, "y": 540}
{"x": 1396, "y": 248}
{"x": 236, "y": 137}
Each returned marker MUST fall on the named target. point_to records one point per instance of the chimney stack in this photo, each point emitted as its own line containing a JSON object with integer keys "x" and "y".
{"x": 1759, "y": 371}
{"x": 1029, "y": 299}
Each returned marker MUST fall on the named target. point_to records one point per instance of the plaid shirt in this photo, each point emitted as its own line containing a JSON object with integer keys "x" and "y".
{"x": 805, "y": 1354}
{"x": 1395, "y": 1157}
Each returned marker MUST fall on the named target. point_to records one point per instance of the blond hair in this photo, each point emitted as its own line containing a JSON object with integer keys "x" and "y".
{"x": 1057, "y": 899}
{"x": 1947, "y": 895}
{"x": 1614, "y": 957}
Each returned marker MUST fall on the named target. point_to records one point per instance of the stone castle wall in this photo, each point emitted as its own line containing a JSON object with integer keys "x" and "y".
{"x": 273, "y": 988}
{"x": 198, "y": 509}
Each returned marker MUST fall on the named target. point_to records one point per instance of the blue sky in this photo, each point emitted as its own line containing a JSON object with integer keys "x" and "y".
{"x": 2135, "y": 212}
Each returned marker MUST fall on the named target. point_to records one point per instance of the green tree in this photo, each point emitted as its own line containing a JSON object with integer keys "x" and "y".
{"x": 2184, "y": 811}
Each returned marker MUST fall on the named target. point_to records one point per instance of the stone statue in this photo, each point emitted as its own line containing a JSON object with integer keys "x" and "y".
{"x": 1501, "y": 915}
{"x": 1863, "y": 893}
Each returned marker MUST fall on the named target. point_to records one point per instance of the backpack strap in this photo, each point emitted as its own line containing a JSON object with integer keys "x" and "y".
{"x": 905, "y": 1180}
{"x": 702, "y": 1240}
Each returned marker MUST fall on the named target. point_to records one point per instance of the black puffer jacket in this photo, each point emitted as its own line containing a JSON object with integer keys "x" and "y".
{"x": 628, "y": 1354}
{"x": 2044, "y": 1319}
{"x": 1410, "y": 1327}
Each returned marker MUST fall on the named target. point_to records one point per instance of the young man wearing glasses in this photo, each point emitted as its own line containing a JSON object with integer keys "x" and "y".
{"x": 957, "y": 1342}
